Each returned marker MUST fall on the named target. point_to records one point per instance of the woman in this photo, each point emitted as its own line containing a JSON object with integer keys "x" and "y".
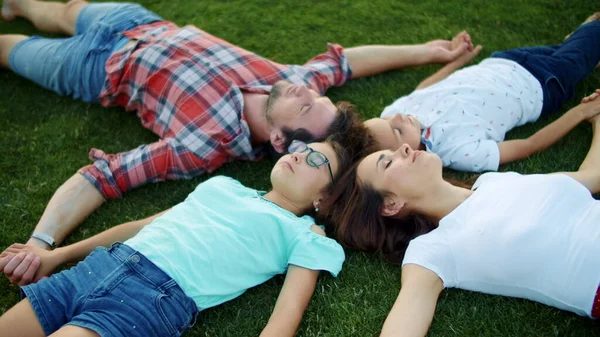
{"x": 529, "y": 236}
{"x": 463, "y": 116}
{"x": 223, "y": 239}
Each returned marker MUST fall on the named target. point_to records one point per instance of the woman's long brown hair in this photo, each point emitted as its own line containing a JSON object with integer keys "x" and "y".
{"x": 353, "y": 209}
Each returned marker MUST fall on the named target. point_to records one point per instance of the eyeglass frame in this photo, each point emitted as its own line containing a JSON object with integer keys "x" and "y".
{"x": 295, "y": 143}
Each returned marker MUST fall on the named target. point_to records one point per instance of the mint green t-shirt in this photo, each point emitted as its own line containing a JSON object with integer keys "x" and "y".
{"x": 225, "y": 238}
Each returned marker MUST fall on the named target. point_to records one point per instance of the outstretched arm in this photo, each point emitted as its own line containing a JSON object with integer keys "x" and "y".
{"x": 463, "y": 59}
{"x": 513, "y": 150}
{"x": 295, "y": 295}
{"x": 413, "y": 311}
{"x": 589, "y": 171}
{"x": 375, "y": 59}
{"x": 17, "y": 258}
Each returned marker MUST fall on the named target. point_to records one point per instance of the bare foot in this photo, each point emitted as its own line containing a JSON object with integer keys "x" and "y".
{"x": 10, "y": 9}
{"x": 593, "y": 17}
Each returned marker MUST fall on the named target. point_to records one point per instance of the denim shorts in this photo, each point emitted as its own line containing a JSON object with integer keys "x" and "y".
{"x": 75, "y": 66}
{"x": 114, "y": 292}
{"x": 560, "y": 67}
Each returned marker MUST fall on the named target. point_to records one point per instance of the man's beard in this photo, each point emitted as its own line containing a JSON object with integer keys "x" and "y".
{"x": 276, "y": 91}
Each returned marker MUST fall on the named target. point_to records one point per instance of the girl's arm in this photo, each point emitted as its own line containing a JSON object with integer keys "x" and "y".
{"x": 293, "y": 299}
{"x": 413, "y": 311}
{"x": 513, "y": 150}
{"x": 50, "y": 260}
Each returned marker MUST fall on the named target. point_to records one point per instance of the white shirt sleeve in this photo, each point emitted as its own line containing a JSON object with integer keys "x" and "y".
{"x": 478, "y": 156}
{"x": 432, "y": 252}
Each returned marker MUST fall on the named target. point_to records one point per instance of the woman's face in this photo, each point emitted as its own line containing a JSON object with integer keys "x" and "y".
{"x": 402, "y": 175}
{"x": 299, "y": 182}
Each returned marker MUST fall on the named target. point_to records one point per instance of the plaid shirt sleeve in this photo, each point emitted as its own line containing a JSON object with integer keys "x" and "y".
{"x": 329, "y": 69}
{"x": 115, "y": 174}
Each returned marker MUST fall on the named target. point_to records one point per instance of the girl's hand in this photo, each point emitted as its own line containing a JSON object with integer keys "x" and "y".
{"x": 24, "y": 264}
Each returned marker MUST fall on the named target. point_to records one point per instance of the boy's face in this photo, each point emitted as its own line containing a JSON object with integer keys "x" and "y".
{"x": 393, "y": 131}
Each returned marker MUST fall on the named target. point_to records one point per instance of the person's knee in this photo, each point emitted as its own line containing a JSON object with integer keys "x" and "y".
{"x": 7, "y": 43}
{"x": 70, "y": 14}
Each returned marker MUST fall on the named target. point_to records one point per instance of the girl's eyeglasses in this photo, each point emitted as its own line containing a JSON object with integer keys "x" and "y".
{"x": 314, "y": 158}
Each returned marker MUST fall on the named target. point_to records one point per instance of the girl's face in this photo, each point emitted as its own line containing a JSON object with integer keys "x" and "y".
{"x": 393, "y": 131}
{"x": 403, "y": 175}
{"x": 295, "y": 176}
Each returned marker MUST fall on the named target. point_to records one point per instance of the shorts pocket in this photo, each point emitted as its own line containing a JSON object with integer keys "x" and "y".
{"x": 111, "y": 281}
{"x": 174, "y": 316}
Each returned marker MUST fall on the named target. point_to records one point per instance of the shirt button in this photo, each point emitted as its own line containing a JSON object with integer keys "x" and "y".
{"x": 135, "y": 258}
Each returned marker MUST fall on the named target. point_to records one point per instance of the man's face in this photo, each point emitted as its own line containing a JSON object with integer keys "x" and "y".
{"x": 294, "y": 107}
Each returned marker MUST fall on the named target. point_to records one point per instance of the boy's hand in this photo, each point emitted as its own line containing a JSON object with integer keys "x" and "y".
{"x": 589, "y": 108}
{"x": 591, "y": 97}
{"x": 444, "y": 51}
{"x": 467, "y": 57}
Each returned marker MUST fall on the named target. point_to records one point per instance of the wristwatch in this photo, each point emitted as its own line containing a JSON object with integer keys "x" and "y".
{"x": 44, "y": 238}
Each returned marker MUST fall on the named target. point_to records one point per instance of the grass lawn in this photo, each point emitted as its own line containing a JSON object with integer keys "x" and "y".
{"x": 45, "y": 139}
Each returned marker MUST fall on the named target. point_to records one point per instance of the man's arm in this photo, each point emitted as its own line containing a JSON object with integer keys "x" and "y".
{"x": 375, "y": 59}
{"x": 293, "y": 299}
{"x": 11, "y": 260}
{"x": 413, "y": 310}
{"x": 513, "y": 150}
{"x": 463, "y": 59}
{"x": 69, "y": 206}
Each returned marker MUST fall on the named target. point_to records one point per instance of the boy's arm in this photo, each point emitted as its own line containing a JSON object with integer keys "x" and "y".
{"x": 513, "y": 150}
{"x": 293, "y": 299}
{"x": 464, "y": 59}
{"x": 11, "y": 258}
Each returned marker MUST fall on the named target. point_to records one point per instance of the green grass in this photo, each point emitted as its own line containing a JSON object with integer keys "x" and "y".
{"x": 45, "y": 139}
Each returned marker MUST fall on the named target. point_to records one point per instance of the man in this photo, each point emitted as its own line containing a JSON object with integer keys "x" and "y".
{"x": 209, "y": 101}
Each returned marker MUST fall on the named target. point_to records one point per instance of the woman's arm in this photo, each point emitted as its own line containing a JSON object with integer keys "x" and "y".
{"x": 11, "y": 258}
{"x": 516, "y": 149}
{"x": 413, "y": 311}
{"x": 589, "y": 172}
{"x": 293, "y": 299}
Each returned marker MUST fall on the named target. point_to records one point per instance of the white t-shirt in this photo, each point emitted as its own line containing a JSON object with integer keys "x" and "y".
{"x": 464, "y": 116}
{"x": 528, "y": 236}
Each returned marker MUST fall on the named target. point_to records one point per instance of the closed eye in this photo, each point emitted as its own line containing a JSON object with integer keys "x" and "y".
{"x": 388, "y": 164}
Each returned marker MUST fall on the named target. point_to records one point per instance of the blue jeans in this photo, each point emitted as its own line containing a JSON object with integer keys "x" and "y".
{"x": 75, "y": 66}
{"x": 560, "y": 67}
{"x": 114, "y": 292}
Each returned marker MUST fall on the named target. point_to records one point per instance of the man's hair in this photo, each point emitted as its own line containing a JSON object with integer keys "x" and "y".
{"x": 346, "y": 129}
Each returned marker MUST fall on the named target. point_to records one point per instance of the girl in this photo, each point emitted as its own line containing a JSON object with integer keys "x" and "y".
{"x": 463, "y": 117}
{"x": 529, "y": 236}
{"x": 223, "y": 239}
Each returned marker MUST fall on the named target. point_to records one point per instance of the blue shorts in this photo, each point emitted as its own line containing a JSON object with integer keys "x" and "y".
{"x": 114, "y": 292}
{"x": 75, "y": 66}
{"x": 559, "y": 68}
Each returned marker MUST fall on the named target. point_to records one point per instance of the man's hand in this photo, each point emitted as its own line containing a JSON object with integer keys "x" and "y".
{"x": 444, "y": 51}
{"x": 467, "y": 56}
{"x": 24, "y": 264}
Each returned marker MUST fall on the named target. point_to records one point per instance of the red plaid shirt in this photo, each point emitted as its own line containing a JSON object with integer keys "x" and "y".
{"x": 186, "y": 86}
